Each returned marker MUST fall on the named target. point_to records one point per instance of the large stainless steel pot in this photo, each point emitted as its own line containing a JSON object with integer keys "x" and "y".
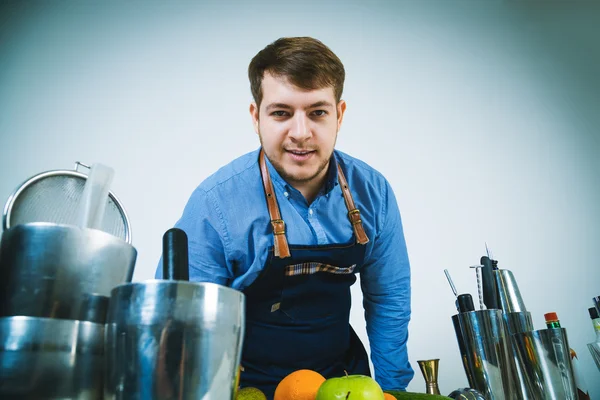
{"x": 43, "y": 358}
{"x": 172, "y": 339}
{"x": 58, "y": 271}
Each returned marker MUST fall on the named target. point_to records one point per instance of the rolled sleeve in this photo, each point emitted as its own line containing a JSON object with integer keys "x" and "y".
{"x": 385, "y": 283}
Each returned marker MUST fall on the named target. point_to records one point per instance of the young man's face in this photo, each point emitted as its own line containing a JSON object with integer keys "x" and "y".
{"x": 297, "y": 129}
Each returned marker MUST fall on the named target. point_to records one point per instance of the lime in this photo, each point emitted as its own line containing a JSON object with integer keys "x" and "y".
{"x": 250, "y": 393}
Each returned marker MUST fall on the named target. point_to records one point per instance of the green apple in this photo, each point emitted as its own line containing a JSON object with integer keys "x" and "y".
{"x": 350, "y": 387}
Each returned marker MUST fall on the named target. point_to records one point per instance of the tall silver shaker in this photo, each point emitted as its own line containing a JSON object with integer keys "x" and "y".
{"x": 174, "y": 339}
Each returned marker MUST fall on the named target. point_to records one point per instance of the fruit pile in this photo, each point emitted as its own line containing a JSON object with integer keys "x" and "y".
{"x": 305, "y": 384}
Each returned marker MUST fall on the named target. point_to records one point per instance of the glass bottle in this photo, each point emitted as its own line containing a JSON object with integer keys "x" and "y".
{"x": 552, "y": 322}
{"x": 595, "y": 346}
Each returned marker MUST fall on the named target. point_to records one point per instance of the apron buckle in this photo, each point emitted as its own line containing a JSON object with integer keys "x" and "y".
{"x": 278, "y": 226}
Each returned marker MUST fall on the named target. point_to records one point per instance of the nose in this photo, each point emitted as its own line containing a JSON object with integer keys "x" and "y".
{"x": 300, "y": 129}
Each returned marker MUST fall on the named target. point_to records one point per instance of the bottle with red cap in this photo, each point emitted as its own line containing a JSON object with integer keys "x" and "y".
{"x": 552, "y": 322}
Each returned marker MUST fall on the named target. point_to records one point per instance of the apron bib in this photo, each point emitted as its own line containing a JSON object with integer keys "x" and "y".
{"x": 298, "y": 309}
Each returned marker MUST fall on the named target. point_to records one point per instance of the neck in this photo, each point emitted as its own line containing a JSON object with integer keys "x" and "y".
{"x": 311, "y": 189}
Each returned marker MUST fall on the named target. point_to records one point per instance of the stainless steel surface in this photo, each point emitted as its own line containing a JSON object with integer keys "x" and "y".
{"x": 173, "y": 340}
{"x": 94, "y": 308}
{"x": 544, "y": 355}
{"x": 51, "y": 270}
{"x": 488, "y": 353}
{"x": 44, "y": 358}
{"x": 429, "y": 369}
{"x": 517, "y": 322}
{"x": 54, "y": 197}
{"x": 463, "y": 350}
{"x": 595, "y": 352}
{"x": 466, "y": 394}
{"x": 508, "y": 291}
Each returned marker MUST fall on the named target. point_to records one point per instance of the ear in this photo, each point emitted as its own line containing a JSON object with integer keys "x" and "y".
{"x": 341, "y": 109}
{"x": 254, "y": 115}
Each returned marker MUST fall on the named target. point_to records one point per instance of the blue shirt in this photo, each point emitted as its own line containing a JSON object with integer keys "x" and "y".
{"x": 229, "y": 234}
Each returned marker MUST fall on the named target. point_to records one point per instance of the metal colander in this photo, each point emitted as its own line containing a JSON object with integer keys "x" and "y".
{"x": 54, "y": 196}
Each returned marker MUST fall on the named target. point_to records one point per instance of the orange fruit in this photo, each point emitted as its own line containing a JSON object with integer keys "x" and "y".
{"x": 299, "y": 385}
{"x": 387, "y": 396}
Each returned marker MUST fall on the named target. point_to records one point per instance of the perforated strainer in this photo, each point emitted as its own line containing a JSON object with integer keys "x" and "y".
{"x": 54, "y": 196}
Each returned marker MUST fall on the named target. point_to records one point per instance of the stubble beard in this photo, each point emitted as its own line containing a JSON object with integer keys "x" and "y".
{"x": 291, "y": 178}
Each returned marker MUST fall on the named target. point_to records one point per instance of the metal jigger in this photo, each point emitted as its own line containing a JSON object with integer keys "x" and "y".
{"x": 429, "y": 368}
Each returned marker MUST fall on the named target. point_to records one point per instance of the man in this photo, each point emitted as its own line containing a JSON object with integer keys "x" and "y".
{"x": 290, "y": 225}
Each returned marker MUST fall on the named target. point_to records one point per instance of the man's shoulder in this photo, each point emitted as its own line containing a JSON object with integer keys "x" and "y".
{"x": 232, "y": 173}
{"x": 358, "y": 170}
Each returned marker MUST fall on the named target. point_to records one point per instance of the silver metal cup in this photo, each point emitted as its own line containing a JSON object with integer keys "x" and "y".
{"x": 58, "y": 271}
{"x": 488, "y": 353}
{"x": 545, "y": 357}
{"x": 173, "y": 340}
{"x": 42, "y": 358}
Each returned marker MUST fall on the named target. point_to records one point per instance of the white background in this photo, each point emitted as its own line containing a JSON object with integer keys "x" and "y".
{"x": 484, "y": 117}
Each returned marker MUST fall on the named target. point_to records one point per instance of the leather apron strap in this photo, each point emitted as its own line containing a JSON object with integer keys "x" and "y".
{"x": 353, "y": 213}
{"x": 281, "y": 248}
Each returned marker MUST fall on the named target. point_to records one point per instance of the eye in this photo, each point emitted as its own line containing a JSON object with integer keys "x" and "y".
{"x": 279, "y": 113}
{"x": 319, "y": 113}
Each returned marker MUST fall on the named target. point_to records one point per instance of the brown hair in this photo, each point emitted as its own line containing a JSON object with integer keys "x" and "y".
{"x": 306, "y": 62}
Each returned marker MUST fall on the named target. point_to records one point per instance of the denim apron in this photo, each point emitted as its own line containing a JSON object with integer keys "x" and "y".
{"x": 298, "y": 309}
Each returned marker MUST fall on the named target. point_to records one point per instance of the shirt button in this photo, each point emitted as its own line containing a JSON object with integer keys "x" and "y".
{"x": 310, "y": 211}
{"x": 286, "y": 194}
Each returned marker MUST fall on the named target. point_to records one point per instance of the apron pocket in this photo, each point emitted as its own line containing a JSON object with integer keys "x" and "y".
{"x": 307, "y": 297}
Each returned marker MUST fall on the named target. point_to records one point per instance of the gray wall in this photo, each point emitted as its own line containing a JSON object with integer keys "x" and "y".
{"x": 484, "y": 116}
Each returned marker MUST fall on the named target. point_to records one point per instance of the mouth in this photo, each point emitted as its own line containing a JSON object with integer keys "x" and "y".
{"x": 300, "y": 155}
{"x": 300, "y": 152}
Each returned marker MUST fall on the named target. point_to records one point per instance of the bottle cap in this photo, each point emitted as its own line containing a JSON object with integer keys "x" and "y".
{"x": 551, "y": 317}
{"x": 593, "y": 313}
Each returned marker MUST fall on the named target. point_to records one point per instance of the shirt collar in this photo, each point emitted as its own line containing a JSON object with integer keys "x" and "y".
{"x": 330, "y": 183}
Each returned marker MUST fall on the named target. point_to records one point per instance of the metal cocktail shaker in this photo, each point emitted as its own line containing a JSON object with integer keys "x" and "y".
{"x": 486, "y": 351}
{"x": 517, "y": 319}
{"x": 174, "y": 339}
